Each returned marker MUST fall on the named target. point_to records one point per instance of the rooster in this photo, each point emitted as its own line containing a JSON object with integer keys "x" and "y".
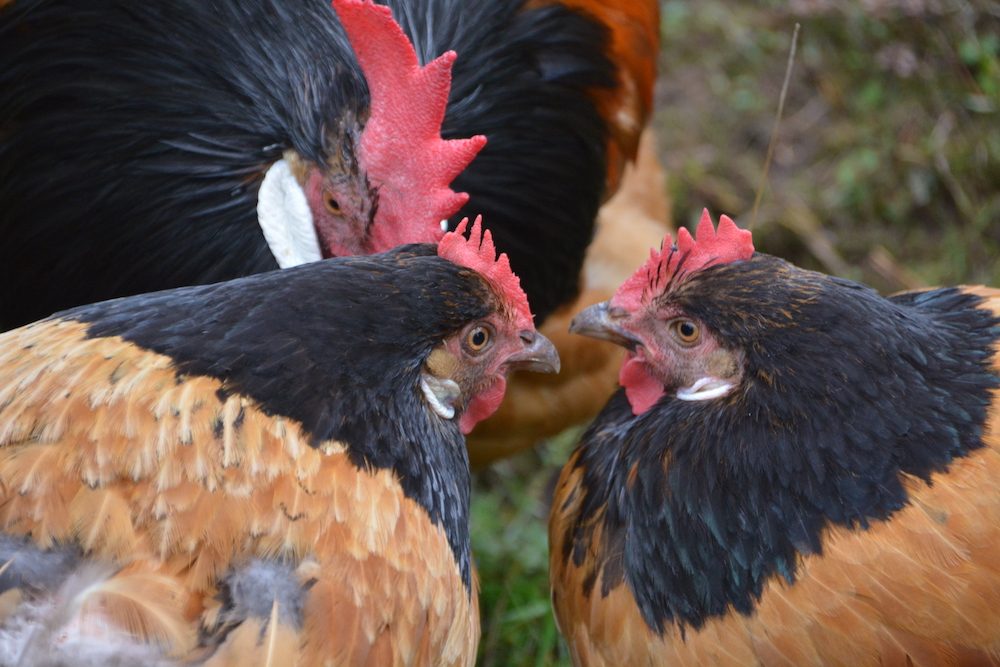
{"x": 796, "y": 470}
{"x": 158, "y": 144}
{"x": 269, "y": 470}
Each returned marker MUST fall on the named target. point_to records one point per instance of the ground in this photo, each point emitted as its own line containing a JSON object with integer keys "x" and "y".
{"x": 886, "y": 170}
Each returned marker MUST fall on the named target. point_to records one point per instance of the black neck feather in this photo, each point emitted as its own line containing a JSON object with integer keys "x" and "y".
{"x": 136, "y": 134}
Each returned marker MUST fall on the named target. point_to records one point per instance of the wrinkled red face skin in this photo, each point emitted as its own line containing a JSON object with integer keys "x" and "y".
{"x": 665, "y": 356}
{"x": 400, "y": 150}
{"x": 669, "y": 351}
{"x": 355, "y": 217}
{"x": 343, "y": 213}
{"x": 480, "y": 356}
{"x": 392, "y": 186}
{"x": 482, "y": 372}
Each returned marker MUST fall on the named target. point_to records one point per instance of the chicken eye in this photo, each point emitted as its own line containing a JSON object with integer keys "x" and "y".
{"x": 686, "y": 332}
{"x": 331, "y": 203}
{"x": 478, "y": 339}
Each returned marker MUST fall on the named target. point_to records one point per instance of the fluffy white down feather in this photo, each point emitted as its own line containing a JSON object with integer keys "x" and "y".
{"x": 48, "y": 632}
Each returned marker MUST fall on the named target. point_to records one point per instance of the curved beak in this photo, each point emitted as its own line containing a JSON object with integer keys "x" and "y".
{"x": 598, "y": 321}
{"x": 538, "y": 355}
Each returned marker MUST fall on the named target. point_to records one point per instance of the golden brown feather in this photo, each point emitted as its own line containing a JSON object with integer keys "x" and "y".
{"x": 104, "y": 445}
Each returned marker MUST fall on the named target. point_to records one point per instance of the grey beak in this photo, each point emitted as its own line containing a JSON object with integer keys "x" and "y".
{"x": 597, "y": 322}
{"x": 539, "y": 354}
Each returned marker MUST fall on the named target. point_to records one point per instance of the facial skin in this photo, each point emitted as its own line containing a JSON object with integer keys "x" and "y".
{"x": 341, "y": 200}
{"x": 466, "y": 376}
{"x": 669, "y": 353}
{"x": 343, "y": 210}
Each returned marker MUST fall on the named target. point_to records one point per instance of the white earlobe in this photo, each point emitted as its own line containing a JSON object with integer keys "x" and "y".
{"x": 705, "y": 389}
{"x": 285, "y": 218}
{"x": 441, "y": 395}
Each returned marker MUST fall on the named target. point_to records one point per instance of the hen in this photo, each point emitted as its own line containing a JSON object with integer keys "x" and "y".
{"x": 797, "y": 470}
{"x": 264, "y": 471}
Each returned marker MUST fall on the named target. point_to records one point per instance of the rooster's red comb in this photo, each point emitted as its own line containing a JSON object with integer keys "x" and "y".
{"x": 479, "y": 254}
{"x": 673, "y": 263}
{"x": 401, "y": 148}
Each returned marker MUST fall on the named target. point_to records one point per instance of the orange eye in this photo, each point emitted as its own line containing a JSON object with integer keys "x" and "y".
{"x": 331, "y": 203}
{"x": 685, "y": 331}
{"x": 478, "y": 339}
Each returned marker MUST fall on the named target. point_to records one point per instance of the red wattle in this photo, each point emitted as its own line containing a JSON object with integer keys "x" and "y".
{"x": 642, "y": 389}
{"x": 484, "y": 404}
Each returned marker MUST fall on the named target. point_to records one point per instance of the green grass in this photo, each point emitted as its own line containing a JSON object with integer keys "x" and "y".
{"x": 887, "y": 170}
{"x": 510, "y": 517}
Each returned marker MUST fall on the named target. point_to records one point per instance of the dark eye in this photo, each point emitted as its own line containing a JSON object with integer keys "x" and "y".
{"x": 686, "y": 331}
{"x": 478, "y": 338}
{"x": 331, "y": 203}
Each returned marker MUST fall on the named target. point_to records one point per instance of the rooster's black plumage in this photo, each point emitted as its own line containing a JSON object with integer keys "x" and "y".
{"x": 135, "y": 135}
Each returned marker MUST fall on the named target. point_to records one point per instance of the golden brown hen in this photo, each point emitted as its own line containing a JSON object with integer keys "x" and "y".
{"x": 797, "y": 471}
{"x": 264, "y": 471}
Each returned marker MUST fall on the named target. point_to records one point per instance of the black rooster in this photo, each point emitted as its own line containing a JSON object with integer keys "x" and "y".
{"x": 145, "y": 145}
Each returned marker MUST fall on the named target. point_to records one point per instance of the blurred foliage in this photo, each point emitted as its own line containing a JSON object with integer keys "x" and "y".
{"x": 887, "y": 164}
{"x": 886, "y": 170}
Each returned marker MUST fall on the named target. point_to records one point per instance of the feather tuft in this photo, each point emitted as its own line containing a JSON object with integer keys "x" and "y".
{"x": 84, "y": 623}
{"x": 146, "y": 605}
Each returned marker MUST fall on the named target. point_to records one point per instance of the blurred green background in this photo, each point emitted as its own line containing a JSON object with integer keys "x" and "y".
{"x": 886, "y": 170}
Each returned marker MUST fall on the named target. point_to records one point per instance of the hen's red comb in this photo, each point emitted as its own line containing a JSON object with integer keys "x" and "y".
{"x": 479, "y": 254}
{"x": 401, "y": 146}
{"x": 673, "y": 263}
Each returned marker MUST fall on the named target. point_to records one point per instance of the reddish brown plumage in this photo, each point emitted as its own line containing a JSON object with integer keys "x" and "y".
{"x": 262, "y": 471}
